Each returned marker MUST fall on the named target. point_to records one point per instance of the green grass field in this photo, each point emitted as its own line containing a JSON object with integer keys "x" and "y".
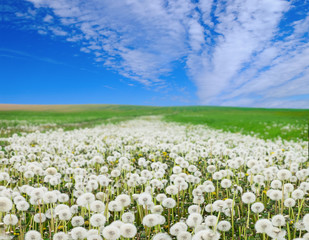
{"x": 289, "y": 124}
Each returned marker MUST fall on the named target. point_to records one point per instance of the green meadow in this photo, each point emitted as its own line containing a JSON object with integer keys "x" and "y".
{"x": 288, "y": 124}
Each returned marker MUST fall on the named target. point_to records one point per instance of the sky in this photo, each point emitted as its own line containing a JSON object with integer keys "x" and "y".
{"x": 246, "y": 53}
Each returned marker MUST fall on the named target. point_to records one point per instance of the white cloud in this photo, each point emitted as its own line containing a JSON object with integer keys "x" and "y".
{"x": 139, "y": 39}
{"x": 58, "y": 31}
{"x": 48, "y": 18}
{"x": 243, "y": 52}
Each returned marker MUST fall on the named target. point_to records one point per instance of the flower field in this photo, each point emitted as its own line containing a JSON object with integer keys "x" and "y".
{"x": 149, "y": 179}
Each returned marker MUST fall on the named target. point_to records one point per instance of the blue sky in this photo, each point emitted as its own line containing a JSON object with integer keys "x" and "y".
{"x": 251, "y": 53}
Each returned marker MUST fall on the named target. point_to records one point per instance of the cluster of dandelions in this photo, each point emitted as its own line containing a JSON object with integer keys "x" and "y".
{"x": 153, "y": 180}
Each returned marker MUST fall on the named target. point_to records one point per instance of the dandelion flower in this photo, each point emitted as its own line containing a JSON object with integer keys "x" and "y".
{"x": 144, "y": 199}
{"x": 157, "y": 209}
{"x": 97, "y": 206}
{"x": 114, "y": 206}
{"x": 10, "y": 219}
{"x": 78, "y": 233}
{"x": 278, "y": 220}
{"x": 50, "y": 197}
{"x": 211, "y": 220}
{"x": 298, "y": 194}
{"x": 60, "y": 236}
{"x": 128, "y": 230}
{"x": 128, "y": 217}
{"x": 184, "y": 236}
{"x": 257, "y": 207}
{"x": 85, "y": 199}
{"x": 161, "y": 236}
{"x": 39, "y": 218}
{"x": 33, "y": 235}
{"x": 284, "y": 174}
{"x": 97, "y": 220}
{"x": 276, "y": 233}
{"x": 151, "y": 220}
{"x": 77, "y": 221}
{"x": 206, "y": 235}
{"x": 224, "y": 226}
{"x": 169, "y": 203}
{"x": 124, "y": 200}
{"x": 226, "y": 183}
{"x": 177, "y": 228}
{"x": 306, "y": 222}
{"x": 65, "y": 214}
{"x": 194, "y": 209}
{"x": 275, "y": 195}
{"x": 111, "y": 233}
{"x": 248, "y": 197}
{"x": 289, "y": 202}
{"x": 263, "y": 226}
{"x": 194, "y": 219}
{"x": 5, "y": 204}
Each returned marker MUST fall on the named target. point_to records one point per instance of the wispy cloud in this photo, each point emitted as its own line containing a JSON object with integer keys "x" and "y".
{"x": 237, "y": 52}
{"x": 24, "y": 55}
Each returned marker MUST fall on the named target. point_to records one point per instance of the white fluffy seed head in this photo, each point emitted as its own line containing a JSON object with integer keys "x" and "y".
{"x": 306, "y": 222}
{"x": 278, "y": 220}
{"x": 144, "y": 199}
{"x": 151, "y": 220}
{"x": 78, "y": 233}
{"x": 5, "y": 204}
{"x": 10, "y": 219}
{"x": 158, "y": 209}
{"x": 77, "y": 221}
{"x": 22, "y": 206}
{"x": 248, "y": 197}
{"x": 211, "y": 220}
{"x": 97, "y": 220}
{"x": 224, "y": 226}
{"x": 207, "y": 234}
{"x": 33, "y": 235}
{"x": 194, "y": 219}
{"x": 289, "y": 202}
{"x": 263, "y": 226}
{"x": 298, "y": 194}
{"x": 39, "y": 217}
{"x": 124, "y": 200}
{"x": 111, "y": 233}
{"x": 60, "y": 236}
{"x": 184, "y": 236}
{"x": 128, "y": 230}
{"x": 65, "y": 214}
{"x": 169, "y": 203}
{"x": 257, "y": 207}
{"x": 178, "y": 228}
{"x": 161, "y": 236}
{"x": 275, "y": 195}
{"x": 128, "y": 217}
{"x": 97, "y": 206}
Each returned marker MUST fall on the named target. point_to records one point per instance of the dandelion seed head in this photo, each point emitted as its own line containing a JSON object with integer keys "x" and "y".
{"x": 10, "y": 219}
{"x": 5, "y": 204}
{"x": 263, "y": 226}
{"x": 33, "y": 235}
{"x": 128, "y": 230}
{"x": 111, "y": 233}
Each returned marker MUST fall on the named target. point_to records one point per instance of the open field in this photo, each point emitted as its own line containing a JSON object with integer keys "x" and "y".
{"x": 160, "y": 173}
{"x": 150, "y": 179}
{"x": 287, "y": 124}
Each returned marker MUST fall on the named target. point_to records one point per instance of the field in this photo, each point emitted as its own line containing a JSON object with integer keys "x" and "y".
{"x": 134, "y": 172}
{"x": 286, "y": 124}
